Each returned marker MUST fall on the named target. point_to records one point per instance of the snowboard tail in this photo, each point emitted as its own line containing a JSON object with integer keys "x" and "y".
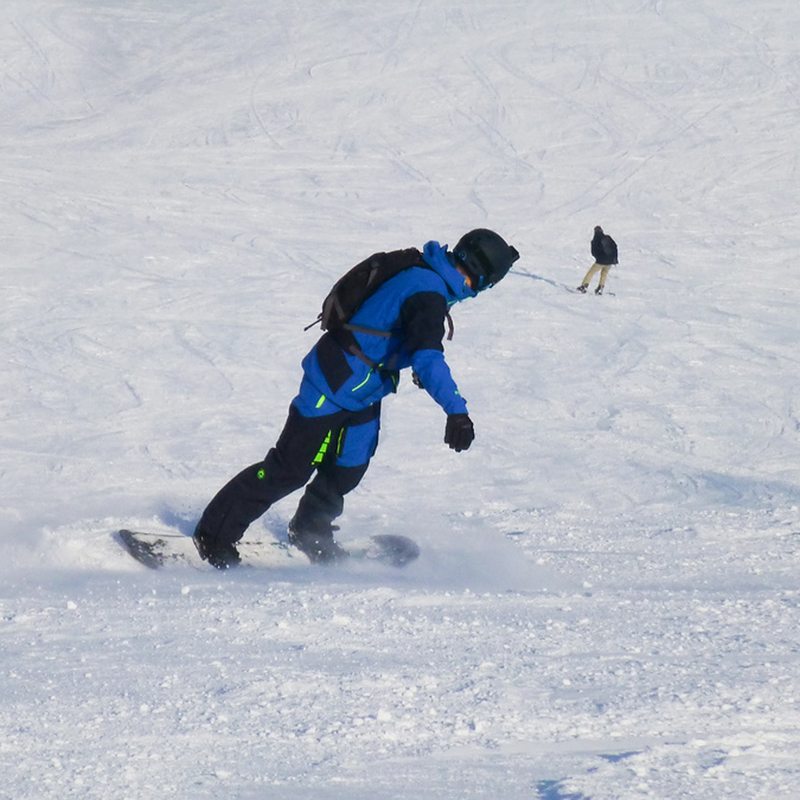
{"x": 150, "y": 551}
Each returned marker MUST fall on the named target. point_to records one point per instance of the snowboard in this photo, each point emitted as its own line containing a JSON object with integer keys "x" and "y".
{"x": 160, "y": 550}
{"x": 606, "y": 293}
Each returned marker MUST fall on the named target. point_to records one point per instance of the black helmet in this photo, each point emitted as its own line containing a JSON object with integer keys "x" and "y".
{"x": 485, "y": 256}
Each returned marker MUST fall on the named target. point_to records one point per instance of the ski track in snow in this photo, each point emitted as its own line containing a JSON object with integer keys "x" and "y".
{"x": 607, "y": 601}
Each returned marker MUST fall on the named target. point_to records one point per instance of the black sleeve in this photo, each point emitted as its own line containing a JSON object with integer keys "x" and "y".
{"x": 422, "y": 318}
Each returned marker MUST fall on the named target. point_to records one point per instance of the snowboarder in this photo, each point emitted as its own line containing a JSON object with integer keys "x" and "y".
{"x": 604, "y": 250}
{"x": 333, "y": 422}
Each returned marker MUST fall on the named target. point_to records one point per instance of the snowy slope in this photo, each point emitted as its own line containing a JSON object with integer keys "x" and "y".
{"x": 607, "y": 605}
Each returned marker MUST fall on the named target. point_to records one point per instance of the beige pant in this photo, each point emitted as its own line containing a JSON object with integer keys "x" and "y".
{"x": 604, "y": 268}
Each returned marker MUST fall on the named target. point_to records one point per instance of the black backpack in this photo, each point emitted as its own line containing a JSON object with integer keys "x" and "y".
{"x": 355, "y": 287}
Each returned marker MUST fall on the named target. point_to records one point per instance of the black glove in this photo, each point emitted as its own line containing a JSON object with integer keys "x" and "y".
{"x": 459, "y": 432}
{"x": 417, "y": 380}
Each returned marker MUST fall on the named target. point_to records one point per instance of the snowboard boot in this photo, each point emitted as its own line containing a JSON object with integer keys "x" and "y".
{"x": 582, "y": 288}
{"x": 218, "y": 554}
{"x": 598, "y": 290}
{"x": 318, "y": 544}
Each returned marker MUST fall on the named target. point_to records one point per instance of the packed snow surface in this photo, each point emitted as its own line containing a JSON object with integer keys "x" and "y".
{"x": 608, "y": 597}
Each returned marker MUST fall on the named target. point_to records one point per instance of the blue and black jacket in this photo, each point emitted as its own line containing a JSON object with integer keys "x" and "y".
{"x": 413, "y": 307}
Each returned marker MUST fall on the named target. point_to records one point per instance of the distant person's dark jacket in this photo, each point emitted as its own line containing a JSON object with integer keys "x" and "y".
{"x": 604, "y": 249}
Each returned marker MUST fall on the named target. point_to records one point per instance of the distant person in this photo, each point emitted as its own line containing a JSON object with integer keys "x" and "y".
{"x": 604, "y": 250}
{"x": 332, "y": 429}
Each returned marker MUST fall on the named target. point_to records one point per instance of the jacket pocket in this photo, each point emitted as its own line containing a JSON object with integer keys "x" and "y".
{"x": 333, "y": 363}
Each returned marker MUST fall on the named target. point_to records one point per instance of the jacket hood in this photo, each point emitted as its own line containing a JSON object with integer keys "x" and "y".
{"x": 435, "y": 256}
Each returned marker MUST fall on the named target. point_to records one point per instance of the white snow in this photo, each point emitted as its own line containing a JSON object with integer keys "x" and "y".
{"x": 608, "y": 600}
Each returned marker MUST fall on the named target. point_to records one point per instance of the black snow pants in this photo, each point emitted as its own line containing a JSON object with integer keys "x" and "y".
{"x": 306, "y": 445}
